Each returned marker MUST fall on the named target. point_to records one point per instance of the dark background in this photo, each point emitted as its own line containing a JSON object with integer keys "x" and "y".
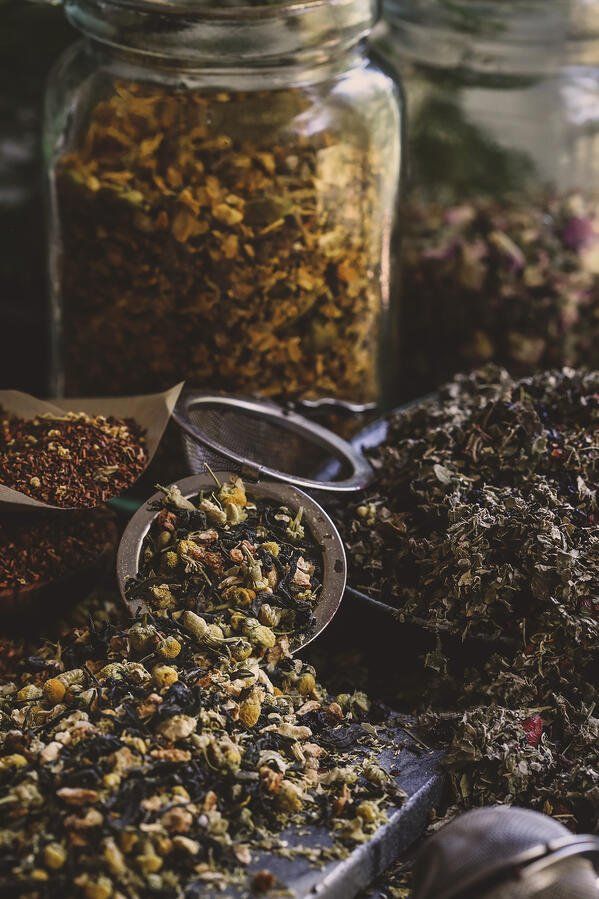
{"x": 32, "y": 36}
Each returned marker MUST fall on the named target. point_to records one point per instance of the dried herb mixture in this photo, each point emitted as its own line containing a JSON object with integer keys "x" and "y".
{"x": 203, "y": 238}
{"x": 142, "y": 759}
{"x": 248, "y": 574}
{"x": 484, "y": 523}
{"x": 45, "y": 547}
{"x": 70, "y": 460}
{"x": 513, "y": 280}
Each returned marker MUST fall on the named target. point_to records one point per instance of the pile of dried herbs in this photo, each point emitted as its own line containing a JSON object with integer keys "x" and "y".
{"x": 40, "y": 548}
{"x": 248, "y": 574}
{"x": 70, "y": 460}
{"x": 512, "y": 280}
{"x": 205, "y": 239}
{"x": 146, "y": 759}
{"x": 484, "y": 523}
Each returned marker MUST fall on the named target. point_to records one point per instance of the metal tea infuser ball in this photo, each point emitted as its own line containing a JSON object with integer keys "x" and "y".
{"x": 506, "y": 853}
{"x": 276, "y": 452}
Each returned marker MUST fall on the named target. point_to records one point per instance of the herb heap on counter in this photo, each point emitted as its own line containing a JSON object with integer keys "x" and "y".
{"x": 511, "y": 280}
{"x": 70, "y": 460}
{"x": 206, "y": 239}
{"x": 152, "y": 758}
{"x": 484, "y": 523}
{"x": 41, "y": 548}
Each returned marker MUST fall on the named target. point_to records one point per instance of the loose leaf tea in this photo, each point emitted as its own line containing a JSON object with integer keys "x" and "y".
{"x": 483, "y": 523}
{"x": 43, "y": 547}
{"x": 248, "y": 573}
{"x": 513, "y": 281}
{"x": 147, "y": 759}
{"x": 70, "y": 460}
{"x": 203, "y": 239}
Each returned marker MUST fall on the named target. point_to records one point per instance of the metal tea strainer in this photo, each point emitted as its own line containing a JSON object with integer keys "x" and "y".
{"x": 276, "y": 451}
{"x": 259, "y": 439}
{"x": 506, "y": 853}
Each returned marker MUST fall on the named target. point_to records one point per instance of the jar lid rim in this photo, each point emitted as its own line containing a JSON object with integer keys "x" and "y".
{"x": 525, "y": 22}
{"x": 233, "y": 10}
{"x": 200, "y": 32}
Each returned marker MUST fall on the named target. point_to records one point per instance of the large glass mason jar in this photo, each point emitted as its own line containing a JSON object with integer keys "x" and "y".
{"x": 224, "y": 185}
{"x": 501, "y": 230}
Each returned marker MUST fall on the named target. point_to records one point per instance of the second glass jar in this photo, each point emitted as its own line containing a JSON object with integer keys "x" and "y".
{"x": 501, "y": 217}
{"x": 223, "y": 187}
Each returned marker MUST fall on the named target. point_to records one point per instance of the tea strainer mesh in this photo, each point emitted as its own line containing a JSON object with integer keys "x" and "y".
{"x": 506, "y": 853}
{"x": 259, "y": 439}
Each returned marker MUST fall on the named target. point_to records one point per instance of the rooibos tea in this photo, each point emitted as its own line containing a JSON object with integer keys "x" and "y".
{"x": 70, "y": 460}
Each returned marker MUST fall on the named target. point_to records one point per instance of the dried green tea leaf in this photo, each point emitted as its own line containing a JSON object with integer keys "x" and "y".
{"x": 483, "y": 522}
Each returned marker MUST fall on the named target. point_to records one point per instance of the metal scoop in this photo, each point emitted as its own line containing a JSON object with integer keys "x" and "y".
{"x": 322, "y": 529}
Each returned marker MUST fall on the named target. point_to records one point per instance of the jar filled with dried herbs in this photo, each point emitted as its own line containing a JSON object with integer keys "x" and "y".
{"x": 223, "y": 190}
{"x": 501, "y": 232}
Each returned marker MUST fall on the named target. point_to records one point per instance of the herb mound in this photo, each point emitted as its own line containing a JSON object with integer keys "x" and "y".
{"x": 485, "y": 507}
{"x": 176, "y": 754}
{"x": 70, "y": 460}
{"x": 483, "y": 523}
{"x": 49, "y": 546}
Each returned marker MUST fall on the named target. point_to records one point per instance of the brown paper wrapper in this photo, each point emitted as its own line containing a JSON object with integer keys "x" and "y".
{"x": 151, "y": 412}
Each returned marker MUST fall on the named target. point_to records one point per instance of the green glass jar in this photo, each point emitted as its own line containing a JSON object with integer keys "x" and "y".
{"x": 224, "y": 186}
{"x": 501, "y": 221}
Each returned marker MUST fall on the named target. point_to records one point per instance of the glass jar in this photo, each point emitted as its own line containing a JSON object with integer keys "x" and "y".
{"x": 224, "y": 186}
{"x": 501, "y": 227}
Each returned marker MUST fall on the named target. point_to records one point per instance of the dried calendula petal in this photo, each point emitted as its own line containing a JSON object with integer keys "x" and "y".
{"x": 270, "y": 240}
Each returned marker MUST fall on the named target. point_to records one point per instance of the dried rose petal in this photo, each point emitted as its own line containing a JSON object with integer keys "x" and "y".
{"x": 579, "y": 233}
{"x": 533, "y": 728}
